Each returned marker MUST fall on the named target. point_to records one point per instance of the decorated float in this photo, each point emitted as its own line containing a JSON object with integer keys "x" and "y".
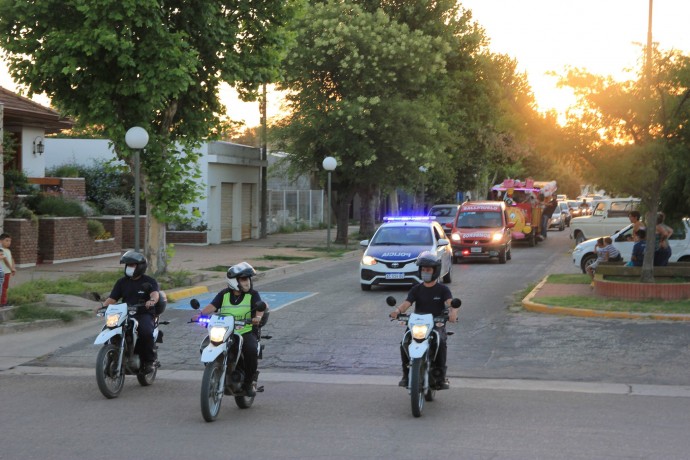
{"x": 525, "y": 202}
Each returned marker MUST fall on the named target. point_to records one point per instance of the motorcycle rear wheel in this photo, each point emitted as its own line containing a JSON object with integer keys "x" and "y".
{"x": 211, "y": 391}
{"x": 108, "y": 381}
{"x": 417, "y": 370}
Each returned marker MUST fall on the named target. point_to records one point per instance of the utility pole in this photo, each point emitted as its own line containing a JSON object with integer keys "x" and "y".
{"x": 264, "y": 167}
{"x": 648, "y": 59}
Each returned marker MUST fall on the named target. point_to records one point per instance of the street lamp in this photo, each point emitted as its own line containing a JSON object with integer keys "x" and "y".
{"x": 329, "y": 164}
{"x": 423, "y": 170}
{"x": 136, "y": 139}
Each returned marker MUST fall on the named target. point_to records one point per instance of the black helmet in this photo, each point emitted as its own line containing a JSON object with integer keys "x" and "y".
{"x": 133, "y": 257}
{"x": 241, "y": 270}
{"x": 429, "y": 259}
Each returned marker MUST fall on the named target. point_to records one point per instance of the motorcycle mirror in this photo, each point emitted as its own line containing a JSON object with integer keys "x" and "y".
{"x": 390, "y": 300}
{"x": 455, "y": 303}
{"x": 261, "y": 306}
{"x": 195, "y": 304}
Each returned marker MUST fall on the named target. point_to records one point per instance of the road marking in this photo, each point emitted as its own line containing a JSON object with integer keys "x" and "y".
{"x": 457, "y": 383}
{"x": 275, "y": 300}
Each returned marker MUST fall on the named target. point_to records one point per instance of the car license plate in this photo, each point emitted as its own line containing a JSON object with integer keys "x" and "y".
{"x": 395, "y": 276}
{"x": 473, "y": 250}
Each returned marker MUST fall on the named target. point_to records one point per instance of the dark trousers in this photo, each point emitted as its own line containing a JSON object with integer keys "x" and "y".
{"x": 250, "y": 355}
{"x": 439, "y": 362}
{"x": 145, "y": 341}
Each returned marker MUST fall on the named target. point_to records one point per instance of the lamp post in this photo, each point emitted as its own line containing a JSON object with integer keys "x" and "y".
{"x": 136, "y": 139}
{"x": 423, "y": 170}
{"x": 329, "y": 164}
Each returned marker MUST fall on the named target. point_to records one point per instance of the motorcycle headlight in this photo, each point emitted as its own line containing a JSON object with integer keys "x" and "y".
{"x": 368, "y": 260}
{"x": 112, "y": 320}
{"x": 217, "y": 333}
{"x": 419, "y": 331}
{"x": 498, "y": 236}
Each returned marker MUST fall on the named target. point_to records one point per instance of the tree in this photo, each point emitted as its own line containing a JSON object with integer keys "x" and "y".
{"x": 359, "y": 90}
{"x": 122, "y": 63}
{"x": 634, "y": 134}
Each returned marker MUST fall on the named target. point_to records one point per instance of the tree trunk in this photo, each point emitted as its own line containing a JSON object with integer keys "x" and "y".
{"x": 155, "y": 247}
{"x": 367, "y": 226}
{"x": 342, "y": 212}
{"x": 647, "y": 274}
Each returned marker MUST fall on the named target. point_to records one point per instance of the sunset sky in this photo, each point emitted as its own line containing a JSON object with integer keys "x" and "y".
{"x": 547, "y": 35}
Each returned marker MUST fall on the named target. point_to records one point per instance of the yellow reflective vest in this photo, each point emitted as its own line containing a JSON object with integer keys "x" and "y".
{"x": 241, "y": 311}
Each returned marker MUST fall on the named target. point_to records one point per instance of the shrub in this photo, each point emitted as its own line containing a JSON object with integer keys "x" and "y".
{"x": 46, "y": 205}
{"x": 117, "y": 205}
{"x": 95, "y": 228}
{"x": 66, "y": 170}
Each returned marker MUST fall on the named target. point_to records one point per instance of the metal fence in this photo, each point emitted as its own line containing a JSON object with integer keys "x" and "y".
{"x": 295, "y": 209}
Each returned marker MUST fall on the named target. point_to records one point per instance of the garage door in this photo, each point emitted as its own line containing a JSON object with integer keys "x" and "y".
{"x": 226, "y": 211}
{"x": 247, "y": 210}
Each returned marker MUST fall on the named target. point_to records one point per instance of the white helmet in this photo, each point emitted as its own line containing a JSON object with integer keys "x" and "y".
{"x": 241, "y": 270}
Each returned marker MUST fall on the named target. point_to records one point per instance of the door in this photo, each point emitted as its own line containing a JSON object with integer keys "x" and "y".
{"x": 247, "y": 210}
{"x": 226, "y": 211}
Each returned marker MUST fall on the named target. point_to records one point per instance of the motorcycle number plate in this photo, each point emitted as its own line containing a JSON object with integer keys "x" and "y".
{"x": 395, "y": 276}
{"x": 475, "y": 250}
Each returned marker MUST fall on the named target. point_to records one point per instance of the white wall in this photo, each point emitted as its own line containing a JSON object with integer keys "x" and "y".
{"x": 59, "y": 152}
{"x": 33, "y": 165}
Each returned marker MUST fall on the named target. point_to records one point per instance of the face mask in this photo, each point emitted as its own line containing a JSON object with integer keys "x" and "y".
{"x": 426, "y": 276}
{"x": 129, "y": 271}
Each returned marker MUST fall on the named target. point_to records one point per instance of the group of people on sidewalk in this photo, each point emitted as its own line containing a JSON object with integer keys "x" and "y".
{"x": 607, "y": 252}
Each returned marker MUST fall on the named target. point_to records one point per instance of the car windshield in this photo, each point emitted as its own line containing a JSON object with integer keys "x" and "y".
{"x": 403, "y": 236}
{"x": 479, "y": 220}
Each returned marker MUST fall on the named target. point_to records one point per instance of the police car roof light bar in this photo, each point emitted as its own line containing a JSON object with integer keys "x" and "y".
{"x": 409, "y": 218}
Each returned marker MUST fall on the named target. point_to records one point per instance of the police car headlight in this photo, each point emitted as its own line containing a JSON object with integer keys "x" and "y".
{"x": 456, "y": 237}
{"x": 498, "y": 236}
{"x": 216, "y": 334}
{"x": 419, "y": 331}
{"x": 368, "y": 260}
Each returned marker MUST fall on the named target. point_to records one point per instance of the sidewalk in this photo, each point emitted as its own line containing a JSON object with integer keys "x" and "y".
{"x": 199, "y": 260}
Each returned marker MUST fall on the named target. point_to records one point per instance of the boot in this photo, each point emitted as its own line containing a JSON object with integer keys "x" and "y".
{"x": 405, "y": 379}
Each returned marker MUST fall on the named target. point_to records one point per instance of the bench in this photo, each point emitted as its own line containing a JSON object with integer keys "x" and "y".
{"x": 672, "y": 270}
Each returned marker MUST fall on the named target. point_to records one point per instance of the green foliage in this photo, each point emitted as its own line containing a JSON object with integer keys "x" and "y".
{"x": 66, "y": 170}
{"x": 117, "y": 205}
{"x": 17, "y": 182}
{"x": 159, "y": 65}
{"x": 27, "y": 313}
{"x": 97, "y": 230}
{"x": 56, "y": 206}
{"x": 35, "y": 291}
{"x": 9, "y": 146}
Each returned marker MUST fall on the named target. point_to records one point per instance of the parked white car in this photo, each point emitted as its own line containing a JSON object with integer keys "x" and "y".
{"x": 584, "y": 255}
{"x": 608, "y": 216}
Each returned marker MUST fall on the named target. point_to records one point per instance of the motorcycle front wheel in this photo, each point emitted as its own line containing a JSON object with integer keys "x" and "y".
{"x": 109, "y": 380}
{"x": 211, "y": 391}
{"x": 147, "y": 379}
{"x": 417, "y": 370}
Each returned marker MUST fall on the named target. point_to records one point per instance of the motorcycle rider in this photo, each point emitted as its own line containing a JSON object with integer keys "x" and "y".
{"x": 238, "y": 299}
{"x": 135, "y": 288}
{"x": 429, "y": 297}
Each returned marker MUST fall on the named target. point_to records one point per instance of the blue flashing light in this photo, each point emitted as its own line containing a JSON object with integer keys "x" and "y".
{"x": 409, "y": 218}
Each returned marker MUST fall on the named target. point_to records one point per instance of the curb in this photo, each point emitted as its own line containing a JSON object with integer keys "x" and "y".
{"x": 532, "y": 306}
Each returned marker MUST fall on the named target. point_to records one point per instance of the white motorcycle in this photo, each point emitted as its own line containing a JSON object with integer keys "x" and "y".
{"x": 117, "y": 357}
{"x": 420, "y": 343}
{"x": 221, "y": 354}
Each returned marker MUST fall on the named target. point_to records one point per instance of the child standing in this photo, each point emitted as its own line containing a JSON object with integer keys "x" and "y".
{"x": 7, "y": 264}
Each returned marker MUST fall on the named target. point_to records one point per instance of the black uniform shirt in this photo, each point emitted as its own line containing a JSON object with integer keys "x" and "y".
{"x": 429, "y": 299}
{"x": 133, "y": 291}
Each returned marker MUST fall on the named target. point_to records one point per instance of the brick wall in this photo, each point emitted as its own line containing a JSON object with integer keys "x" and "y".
{"x": 642, "y": 291}
{"x": 128, "y": 231}
{"x": 73, "y": 187}
{"x": 24, "y": 241}
{"x": 186, "y": 237}
{"x": 61, "y": 239}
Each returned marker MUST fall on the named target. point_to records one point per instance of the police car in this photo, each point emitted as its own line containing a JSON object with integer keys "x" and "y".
{"x": 390, "y": 256}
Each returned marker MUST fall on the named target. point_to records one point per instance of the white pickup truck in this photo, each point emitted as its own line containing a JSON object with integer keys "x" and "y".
{"x": 608, "y": 216}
